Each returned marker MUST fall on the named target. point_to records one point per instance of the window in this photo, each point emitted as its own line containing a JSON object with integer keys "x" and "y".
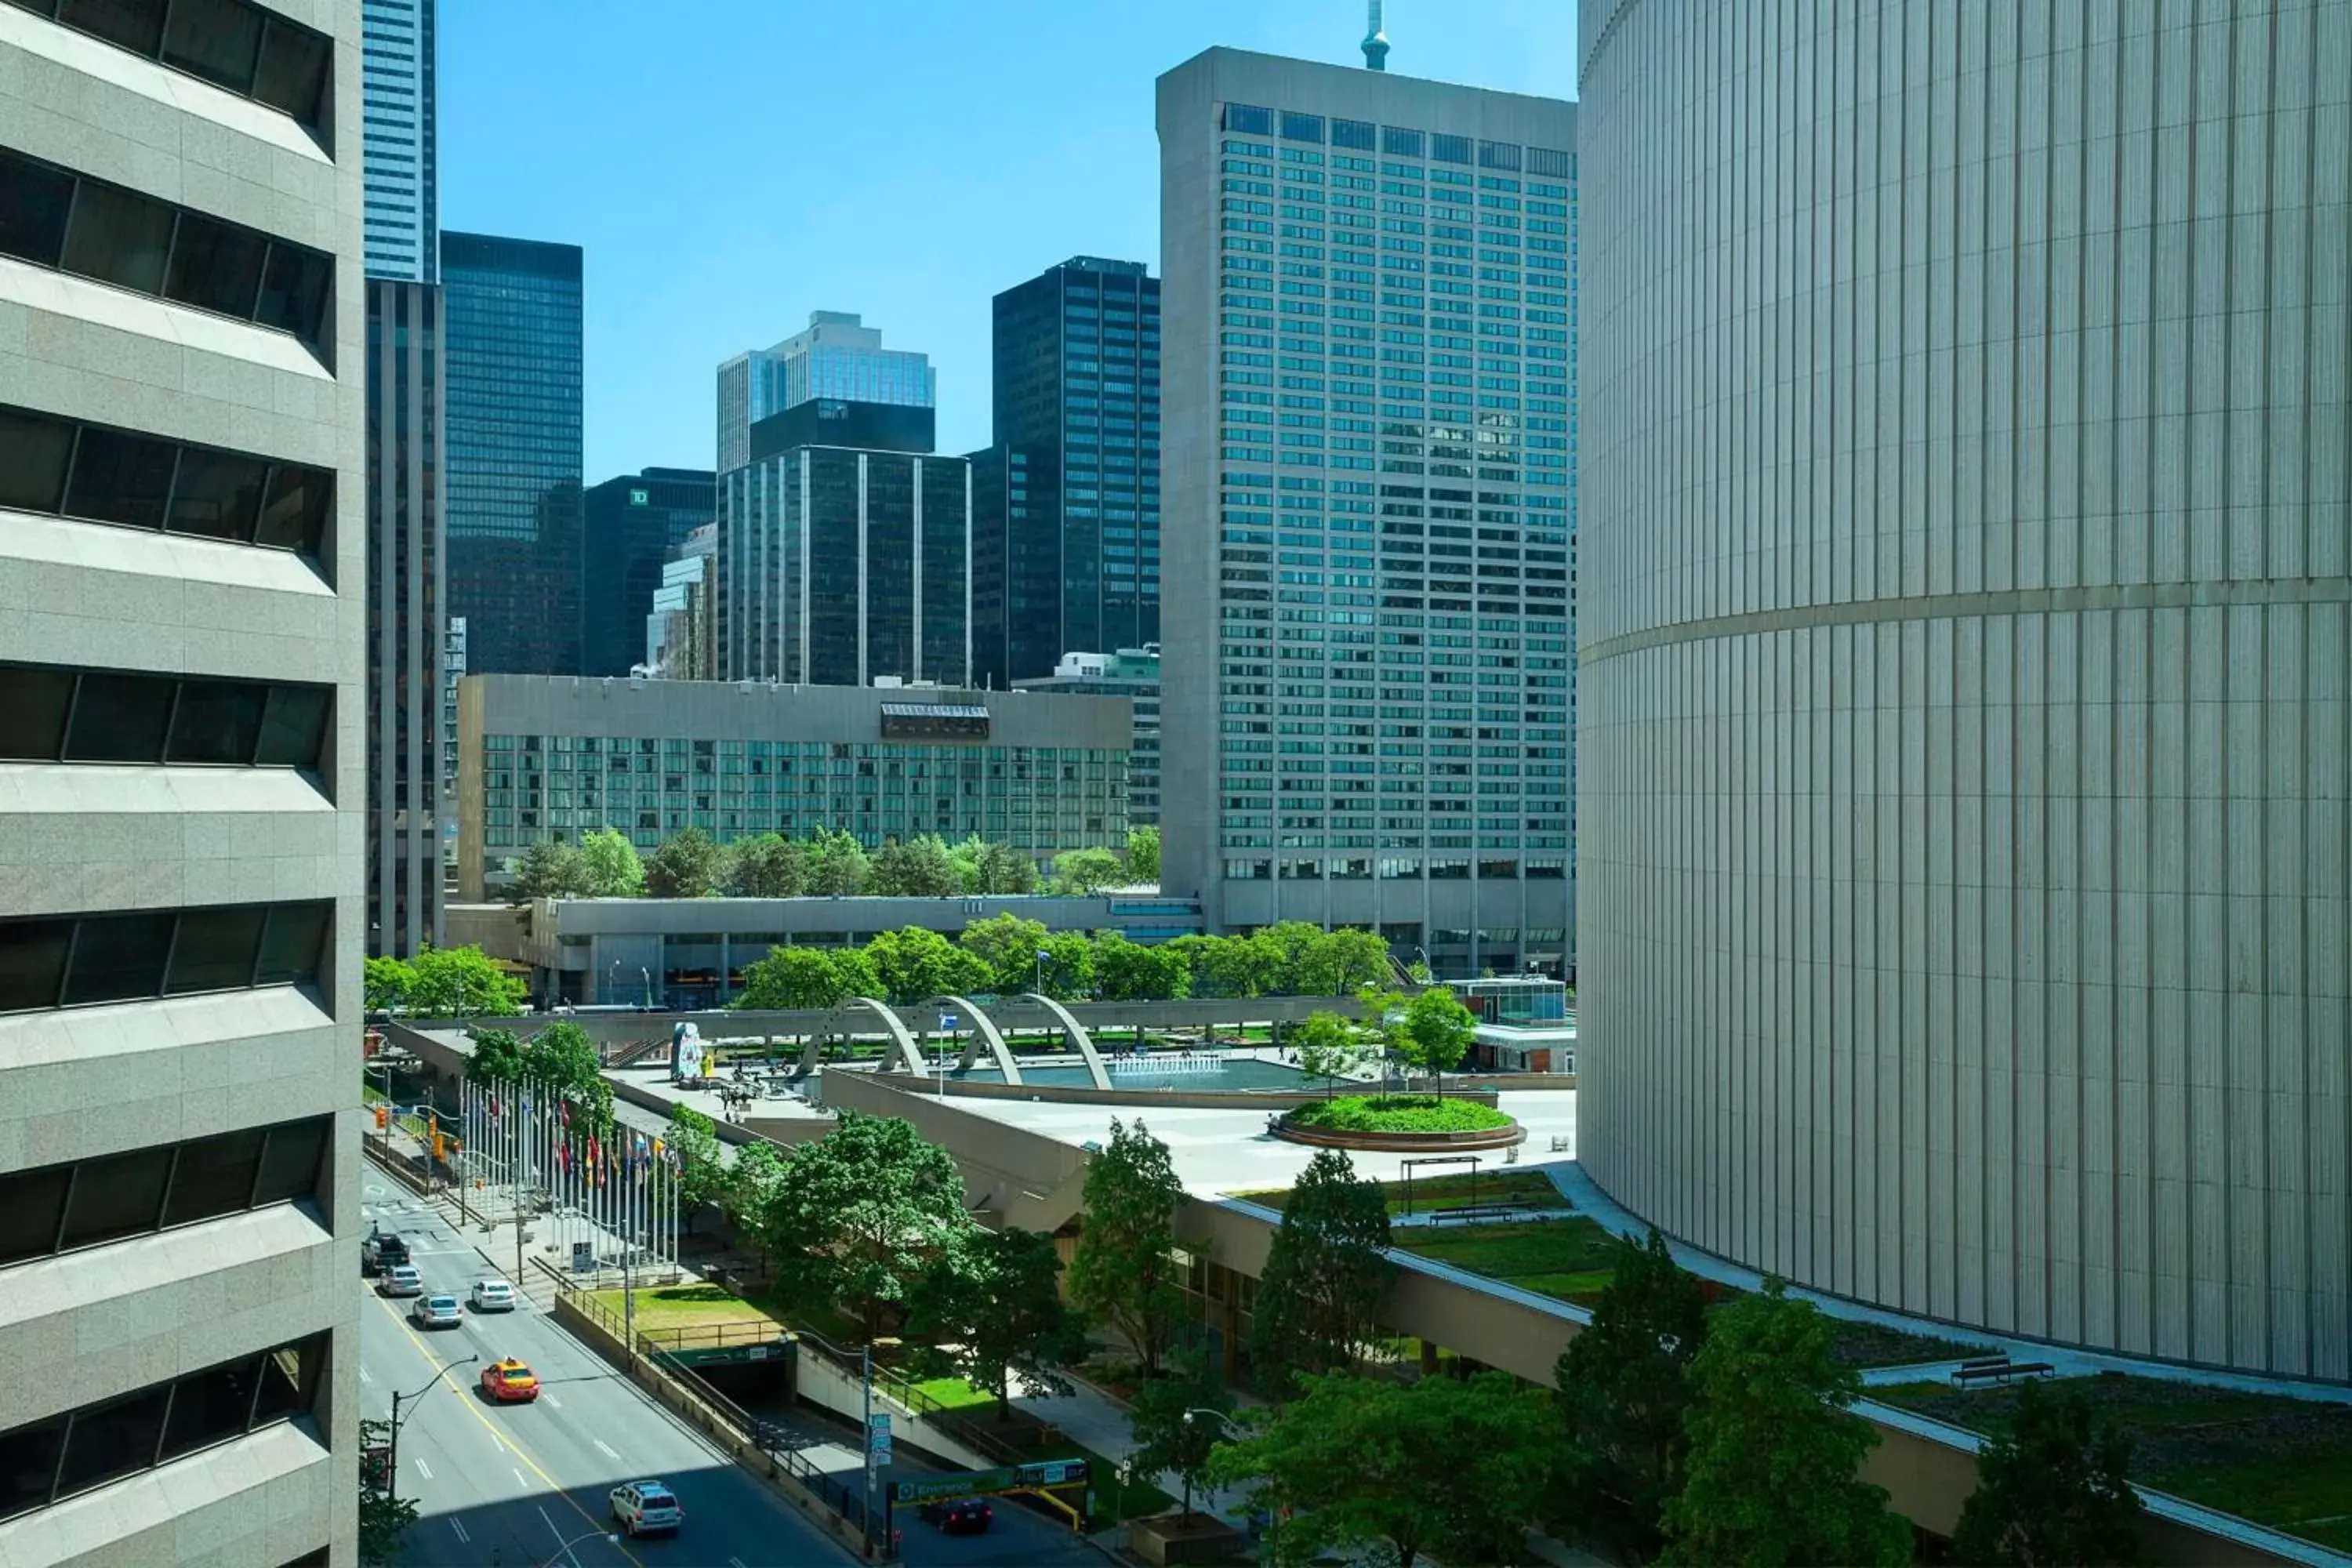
{"x": 53, "y": 715}
{"x": 1249, "y": 120}
{"x": 250, "y": 51}
{"x": 1353, "y": 133}
{"x": 74, "y": 960}
{"x": 74, "y": 224}
{"x": 84, "y": 1448}
{"x": 87, "y": 1203}
{"x": 1298, "y": 127}
{"x": 92, "y": 473}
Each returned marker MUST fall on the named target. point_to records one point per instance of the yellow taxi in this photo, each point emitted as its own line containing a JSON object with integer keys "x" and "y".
{"x": 510, "y": 1382}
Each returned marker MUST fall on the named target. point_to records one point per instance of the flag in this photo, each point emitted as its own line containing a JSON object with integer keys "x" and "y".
{"x": 594, "y": 1153}
{"x": 657, "y": 1147}
{"x": 564, "y": 1111}
{"x": 563, "y": 1156}
{"x": 494, "y": 1105}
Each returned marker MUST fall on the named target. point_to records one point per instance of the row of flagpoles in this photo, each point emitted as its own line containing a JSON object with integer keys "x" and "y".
{"x": 610, "y": 1190}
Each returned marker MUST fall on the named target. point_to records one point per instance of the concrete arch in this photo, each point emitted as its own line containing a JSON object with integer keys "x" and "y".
{"x": 910, "y": 1059}
{"x": 984, "y": 1032}
{"x": 1077, "y": 1034}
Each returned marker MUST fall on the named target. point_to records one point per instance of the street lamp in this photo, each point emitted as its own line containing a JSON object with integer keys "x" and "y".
{"x": 565, "y": 1550}
{"x": 392, "y": 1469}
{"x": 645, "y": 976}
{"x": 865, "y": 1384}
{"x": 615, "y": 985}
{"x": 1042, "y": 956}
{"x": 1226, "y": 1424}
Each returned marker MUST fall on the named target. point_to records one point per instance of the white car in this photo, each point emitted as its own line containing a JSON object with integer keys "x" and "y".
{"x": 493, "y": 1296}
{"x": 401, "y": 1280}
{"x": 647, "y": 1508}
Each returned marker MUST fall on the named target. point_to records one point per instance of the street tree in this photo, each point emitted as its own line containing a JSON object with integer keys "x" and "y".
{"x": 1326, "y": 1276}
{"x": 1624, "y": 1393}
{"x": 1328, "y": 1046}
{"x": 769, "y": 865}
{"x": 1300, "y": 944}
{"x": 792, "y": 977}
{"x": 563, "y": 1058}
{"x": 1350, "y": 960}
{"x": 916, "y": 868}
{"x": 1438, "y": 1030}
{"x": 992, "y": 1313}
{"x": 862, "y": 1214}
{"x": 1069, "y": 966}
{"x": 702, "y": 1173}
{"x": 1008, "y": 945}
{"x": 1128, "y": 971}
{"x": 753, "y": 1177}
{"x": 914, "y": 963}
{"x": 613, "y": 869}
{"x": 462, "y": 983}
{"x": 1004, "y": 869}
{"x": 1769, "y": 1478}
{"x": 1448, "y": 1466}
{"x": 1240, "y": 966}
{"x": 1122, "y": 1271}
{"x": 498, "y": 1057}
{"x": 687, "y": 866}
{"x": 383, "y": 1518}
{"x": 1086, "y": 871}
{"x": 837, "y": 865}
{"x": 1168, "y": 1440}
{"x": 549, "y": 869}
{"x": 385, "y": 984}
{"x": 1143, "y": 853}
{"x": 2051, "y": 1489}
{"x": 968, "y": 855}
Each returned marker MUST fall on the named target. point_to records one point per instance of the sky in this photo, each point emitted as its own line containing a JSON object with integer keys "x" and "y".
{"x": 738, "y": 164}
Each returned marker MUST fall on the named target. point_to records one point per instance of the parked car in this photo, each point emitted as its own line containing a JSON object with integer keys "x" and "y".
{"x": 510, "y": 1382}
{"x": 493, "y": 1296}
{"x": 401, "y": 1280}
{"x": 647, "y": 1508}
{"x": 383, "y": 1249}
{"x": 437, "y": 1312}
{"x": 963, "y": 1516}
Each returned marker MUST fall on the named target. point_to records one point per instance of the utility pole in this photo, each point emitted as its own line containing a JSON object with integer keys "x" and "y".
{"x": 391, "y": 1479}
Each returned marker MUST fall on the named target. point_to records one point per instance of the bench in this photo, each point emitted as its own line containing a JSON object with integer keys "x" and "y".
{"x": 1998, "y": 1369}
{"x": 1472, "y": 1212}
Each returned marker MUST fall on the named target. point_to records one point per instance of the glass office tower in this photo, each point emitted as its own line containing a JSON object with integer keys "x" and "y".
{"x": 633, "y": 523}
{"x": 836, "y": 357}
{"x": 514, "y": 451}
{"x": 1076, "y": 393}
{"x": 1369, "y": 288}
{"x": 399, "y": 159}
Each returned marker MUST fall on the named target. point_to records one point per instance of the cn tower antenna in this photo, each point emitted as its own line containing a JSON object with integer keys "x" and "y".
{"x": 1376, "y": 42}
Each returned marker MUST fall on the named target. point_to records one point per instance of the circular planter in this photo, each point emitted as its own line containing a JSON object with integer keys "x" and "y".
{"x": 1402, "y": 1142}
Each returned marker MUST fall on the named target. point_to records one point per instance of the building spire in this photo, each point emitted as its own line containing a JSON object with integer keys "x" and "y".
{"x": 1376, "y": 42}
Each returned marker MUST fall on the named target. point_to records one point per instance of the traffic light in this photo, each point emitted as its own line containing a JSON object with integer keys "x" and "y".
{"x": 440, "y": 1147}
{"x": 382, "y": 1116}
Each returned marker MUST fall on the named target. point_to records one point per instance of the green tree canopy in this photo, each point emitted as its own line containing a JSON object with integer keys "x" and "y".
{"x": 837, "y": 865}
{"x": 1328, "y": 1046}
{"x": 1004, "y": 869}
{"x": 564, "y": 1058}
{"x": 1085, "y": 871}
{"x": 1449, "y": 1467}
{"x": 1069, "y": 966}
{"x": 1122, "y": 1271}
{"x": 917, "y": 868}
{"x": 1624, "y": 1395}
{"x": 613, "y": 869}
{"x": 1129, "y": 972}
{"x": 968, "y": 856}
{"x": 1143, "y": 853}
{"x": 769, "y": 865}
{"x": 861, "y": 1213}
{"x": 1326, "y": 1274}
{"x": 1770, "y": 1475}
{"x": 385, "y": 984}
{"x": 383, "y": 1518}
{"x": 1166, "y": 1440}
{"x": 549, "y": 869}
{"x": 794, "y": 977}
{"x": 498, "y": 1057}
{"x": 754, "y": 1178}
{"x": 462, "y": 983}
{"x": 1438, "y": 1030}
{"x": 702, "y": 1173}
{"x": 914, "y": 963}
{"x": 994, "y": 1315}
{"x": 687, "y": 866}
{"x": 1344, "y": 962}
{"x": 2051, "y": 1489}
{"x": 1232, "y": 966}
{"x": 1008, "y": 946}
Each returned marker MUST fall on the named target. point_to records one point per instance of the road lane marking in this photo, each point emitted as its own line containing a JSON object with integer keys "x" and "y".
{"x": 607, "y": 1448}
{"x": 459, "y": 1526}
{"x": 423, "y": 1469}
{"x": 548, "y": 1482}
{"x": 522, "y": 1480}
{"x": 365, "y": 1375}
{"x": 552, "y": 1403}
{"x": 734, "y": 1562}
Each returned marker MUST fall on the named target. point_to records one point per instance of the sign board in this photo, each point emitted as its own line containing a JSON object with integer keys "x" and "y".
{"x": 584, "y": 1257}
{"x": 988, "y": 1483}
{"x": 639, "y": 496}
{"x": 947, "y": 1020}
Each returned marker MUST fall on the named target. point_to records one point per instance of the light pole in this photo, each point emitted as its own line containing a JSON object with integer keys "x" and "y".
{"x": 614, "y": 986}
{"x": 646, "y": 975}
{"x": 392, "y": 1477}
{"x": 1226, "y": 1422}
{"x": 565, "y": 1550}
{"x": 866, "y": 1385}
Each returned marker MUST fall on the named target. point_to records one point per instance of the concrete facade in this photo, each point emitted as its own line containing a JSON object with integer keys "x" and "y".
{"x": 82, "y": 1083}
{"x": 1965, "y": 653}
{"x": 1369, "y": 713}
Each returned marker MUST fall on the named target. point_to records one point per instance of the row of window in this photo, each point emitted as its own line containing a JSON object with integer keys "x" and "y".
{"x": 96, "y": 473}
{"x": 87, "y": 1448}
{"x": 75, "y": 961}
{"x": 248, "y": 50}
{"x": 50, "y": 714}
{"x": 88, "y": 1203}
{"x": 54, "y": 217}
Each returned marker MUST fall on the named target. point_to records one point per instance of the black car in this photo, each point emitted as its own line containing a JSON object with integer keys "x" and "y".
{"x": 964, "y": 1516}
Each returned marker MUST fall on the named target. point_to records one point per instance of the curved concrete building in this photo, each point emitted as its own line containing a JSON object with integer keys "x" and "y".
{"x": 1965, "y": 652}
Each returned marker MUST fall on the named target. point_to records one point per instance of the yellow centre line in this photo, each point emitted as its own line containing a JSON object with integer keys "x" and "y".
{"x": 505, "y": 1437}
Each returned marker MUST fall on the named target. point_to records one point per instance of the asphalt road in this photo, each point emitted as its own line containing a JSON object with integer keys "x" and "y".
{"x": 508, "y": 1487}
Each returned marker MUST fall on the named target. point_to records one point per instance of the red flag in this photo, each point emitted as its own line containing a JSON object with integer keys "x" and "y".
{"x": 594, "y": 1153}
{"x": 494, "y": 1105}
{"x": 563, "y": 1157}
{"x": 564, "y": 1111}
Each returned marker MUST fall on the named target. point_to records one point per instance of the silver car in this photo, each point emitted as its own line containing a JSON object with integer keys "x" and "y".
{"x": 437, "y": 1312}
{"x": 402, "y": 1279}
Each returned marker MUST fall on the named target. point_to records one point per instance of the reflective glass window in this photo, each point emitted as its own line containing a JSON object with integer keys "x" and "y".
{"x": 215, "y": 950}
{"x": 211, "y": 1407}
{"x": 28, "y": 1465}
{"x": 114, "y": 1440}
{"x": 118, "y": 958}
{"x": 215, "y": 39}
{"x": 294, "y": 727}
{"x": 216, "y": 265}
{"x": 119, "y": 717}
{"x": 294, "y": 295}
{"x": 119, "y": 236}
{"x": 295, "y": 517}
{"x": 293, "y": 71}
{"x": 31, "y": 1201}
{"x": 217, "y": 722}
{"x": 290, "y": 943}
{"x": 289, "y": 1378}
{"x": 33, "y": 703}
{"x": 290, "y": 1161}
{"x": 218, "y": 494}
{"x": 34, "y": 200}
{"x": 115, "y": 1197}
{"x": 213, "y": 1176}
{"x": 121, "y": 478}
{"x": 133, "y": 25}
{"x": 33, "y": 963}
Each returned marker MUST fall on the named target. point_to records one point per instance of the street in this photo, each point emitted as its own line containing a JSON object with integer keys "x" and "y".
{"x": 506, "y": 1486}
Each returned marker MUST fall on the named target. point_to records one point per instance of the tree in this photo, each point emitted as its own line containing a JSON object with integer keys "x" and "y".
{"x": 462, "y": 983}
{"x": 1128, "y": 971}
{"x": 1004, "y": 869}
{"x": 995, "y": 1317}
{"x": 1069, "y": 966}
{"x": 1008, "y": 946}
{"x": 861, "y": 1213}
{"x": 562, "y": 1058}
{"x": 769, "y": 865}
{"x": 1328, "y": 1048}
{"x": 498, "y": 1057}
{"x": 794, "y": 977}
{"x": 612, "y": 864}
{"x": 837, "y": 866}
{"x": 1438, "y": 1030}
{"x": 1326, "y": 1274}
{"x": 1769, "y": 1479}
{"x": 1623, "y": 1394}
{"x": 549, "y": 869}
{"x": 753, "y": 1179}
{"x": 968, "y": 858}
{"x": 1086, "y": 871}
{"x": 1143, "y": 853}
{"x": 385, "y": 984}
{"x": 917, "y": 868}
{"x": 686, "y": 867}
{"x": 1121, "y": 1270}
{"x": 1166, "y": 1440}
{"x": 383, "y": 1519}
{"x": 1345, "y": 961}
{"x": 702, "y": 1173}
{"x": 915, "y": 964}
{"x": 1451, "y": 1466}
{"x": 1231, "y": 965}
{"x": 2051, "y": 1489}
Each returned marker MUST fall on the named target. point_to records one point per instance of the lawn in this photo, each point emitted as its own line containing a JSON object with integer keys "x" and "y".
{"x": 1398, "y": 1113}
{"x": 1568, "y": 1259}
{"x": 1518, "y": 1189}
{"x": 687, "y": 1306}
{"x": 2286, "y": 1463}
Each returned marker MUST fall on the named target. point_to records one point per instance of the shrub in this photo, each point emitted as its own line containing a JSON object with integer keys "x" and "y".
{"x": 1399, "y": 1113}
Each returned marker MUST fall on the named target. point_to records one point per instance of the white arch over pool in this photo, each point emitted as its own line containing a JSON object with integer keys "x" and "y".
{"x": 984, "y": 1032}
{"x": 910, "y": 1058}
{"x": 1077, "y": 1034}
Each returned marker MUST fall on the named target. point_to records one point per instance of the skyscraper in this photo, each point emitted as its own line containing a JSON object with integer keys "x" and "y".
{"x": 514, "y": 442}
{"x": 182, "y": 560}
{"x": 397, "y": 135}
{"x": 1077, "y": 393}
{"x": 836, "y": 356}
{"x": 633, "y": 524}
{"x": 1368, "y": 385}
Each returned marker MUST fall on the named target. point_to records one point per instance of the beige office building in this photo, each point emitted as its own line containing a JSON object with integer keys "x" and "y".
{"x": 1965, "y": 653}
{"x": 181, "y": 610}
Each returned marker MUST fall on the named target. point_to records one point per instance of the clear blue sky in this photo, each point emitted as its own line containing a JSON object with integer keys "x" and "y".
{"x": 730, "y": 166}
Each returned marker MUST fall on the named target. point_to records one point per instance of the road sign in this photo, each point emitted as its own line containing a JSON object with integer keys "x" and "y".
{"x": 584, "y": 1257}
{"x": 988, "y": 1483}
{"x": 947, "y": 1020}
{"x": 877, "y": 1438}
